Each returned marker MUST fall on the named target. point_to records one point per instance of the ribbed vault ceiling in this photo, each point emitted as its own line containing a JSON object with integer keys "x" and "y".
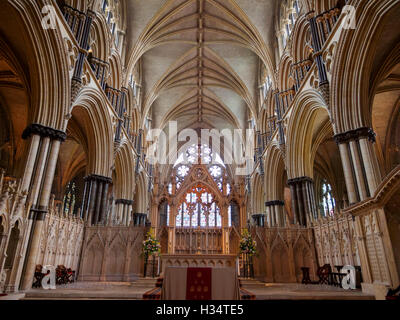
{"x": 200, "y": 59}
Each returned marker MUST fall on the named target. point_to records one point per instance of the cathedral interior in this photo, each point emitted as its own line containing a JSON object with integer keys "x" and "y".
{"x": 103, "y": 106}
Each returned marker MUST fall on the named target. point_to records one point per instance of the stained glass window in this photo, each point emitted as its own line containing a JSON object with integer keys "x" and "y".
{"x": 211, "y": 219}
{"x": 70, "y": 198}
{"x": 327, "y": 202}
{"x": 230, "y": 216}
{"x": 178, "y": 221}
{"x": 203, "y": 218}
{"x": 170, "y": 188}
{"x": 186, "y": 215}
{"x": 219, "y": 219}
{"x": 199, "y": 209}
{"x": 183, "y": 171}
{"x": 215, "y": 171}
{"x": 228, "y": 189}
{"x": 202, "y": 151}
{"x": 168, "y": 213}
{"x": 195, "y": 216}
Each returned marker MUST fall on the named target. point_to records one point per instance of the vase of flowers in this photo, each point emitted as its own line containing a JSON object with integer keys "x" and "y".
{"x": 151, "y": 247}
{"x": 247, "y": 248}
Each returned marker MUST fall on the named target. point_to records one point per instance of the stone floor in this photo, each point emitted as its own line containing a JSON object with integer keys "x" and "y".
{"x": 296, "y": 291}
{"x": 135, "y": 290}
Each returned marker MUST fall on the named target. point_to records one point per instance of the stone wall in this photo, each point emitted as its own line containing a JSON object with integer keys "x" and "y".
{"x": 112, "y": 253}
{"x": 335, "y": 241}
{"x": 13, "y": 229}
{"x": 282, "y": 252}
{"x": 61, "y": 239}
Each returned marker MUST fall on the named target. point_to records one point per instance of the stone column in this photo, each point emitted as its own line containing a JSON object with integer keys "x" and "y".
{"x": 104, "y": 206}
{"x": 317, "y": 46}
{"x": 275, "y": 213}
{"x": 91, "y": 201}
{"x": 96, "y": 217}
{"x": 363, "y": 176}
{"x": 95, "y": 202}
{"x": 243, "y": 215}
{"x": 171, "y": 229}
{"x": 124, "y": 207}
{"x": 279, "y": 117}
{"x": 303, "y": 200}
{"x": 83, "y": 47}
{"x": 225, "y": 228}
{"x": 50, "y": 140}
{"x": 154, "y": 215}
{"x": 359, "y": 161}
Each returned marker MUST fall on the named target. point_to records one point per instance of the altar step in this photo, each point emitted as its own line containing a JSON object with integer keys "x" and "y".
{"x": 251, "y": 283}
{"x": 149, "y": 283}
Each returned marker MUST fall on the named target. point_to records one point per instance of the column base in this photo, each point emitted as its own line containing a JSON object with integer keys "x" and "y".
{"x": 379, "y": 290}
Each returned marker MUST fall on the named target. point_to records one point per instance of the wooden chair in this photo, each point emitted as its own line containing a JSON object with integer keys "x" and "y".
{"x": 306, "y": 275}
{"x": 38, "y": 276}
{"x": 324, "y": 274}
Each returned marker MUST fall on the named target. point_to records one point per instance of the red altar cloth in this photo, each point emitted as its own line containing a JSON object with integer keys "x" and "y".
{"x": 180, "y": 284}
{"x": 198, "y": 284}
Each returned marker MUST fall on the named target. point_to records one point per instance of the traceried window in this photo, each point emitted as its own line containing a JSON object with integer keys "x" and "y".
{"x": 69, "y": 198}
{"x": 228, "y": 189}
{"x": 168, "y": 213}
{"x": 170, "y": 188}
{"x": 266, "y": 87}
{"x": 199, "y": 209}
{"x": 290, "y": 11}
{"x": 110, "y": 10}
{"x": 197, "y": 154}
{"x": 327, "y": 202}
{"x": 216, "y": 172}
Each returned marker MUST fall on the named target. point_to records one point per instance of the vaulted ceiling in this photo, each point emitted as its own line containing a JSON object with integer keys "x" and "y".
{"x": 200, "y": 59}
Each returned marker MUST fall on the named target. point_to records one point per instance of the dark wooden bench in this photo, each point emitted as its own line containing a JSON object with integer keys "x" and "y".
{"x": 393, "y": 294}
{"x": 63, "y": 275}
{"x": 325, "y": 276}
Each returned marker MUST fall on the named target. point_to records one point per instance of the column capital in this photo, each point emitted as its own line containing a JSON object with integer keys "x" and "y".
{"x": 356, "y": 134}
{"x": 98, "y": 178}
{"x": 310, "y": 14}
{"x": 91, "y": 14}
{"x": 44, "y": 131}
{"x": 274, "y": 203}
{"x": 299, "y": 180}
{"x": 124, "y": 201}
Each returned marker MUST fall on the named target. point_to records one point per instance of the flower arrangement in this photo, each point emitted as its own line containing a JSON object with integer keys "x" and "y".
{"x": 247, "y": 244}
{"x": 151, "y": 245}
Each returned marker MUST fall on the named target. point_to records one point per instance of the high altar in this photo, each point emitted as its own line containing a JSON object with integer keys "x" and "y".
{"x": 199, "y": 261}
{"x": 198, "y": 211}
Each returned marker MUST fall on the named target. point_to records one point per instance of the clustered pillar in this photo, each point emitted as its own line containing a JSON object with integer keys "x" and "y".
{"x": 275, "y": 213}
{"x": 95, "y": 199}
{"x": 317, "y": 46}
{"x": 124, "y": 211}
{"x": 360, "y": 164}
{"x": 83, "y": 40}
{"x": 303, "y": 200}
{"x": 139, "y": 219}
{"x": 37, "y": 181}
